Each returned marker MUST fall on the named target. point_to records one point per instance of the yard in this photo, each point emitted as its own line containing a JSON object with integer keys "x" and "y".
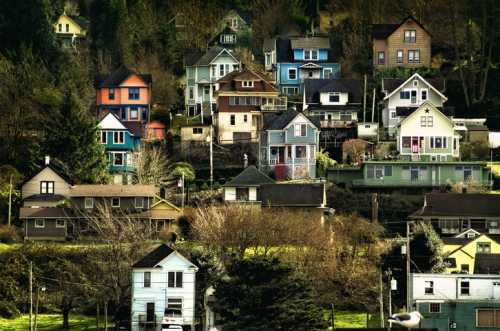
{"x": 347, "y": 319}
{"x": 51, "y": 322}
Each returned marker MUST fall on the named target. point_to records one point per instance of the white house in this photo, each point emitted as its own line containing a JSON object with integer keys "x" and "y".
{"x": 402, "y": 97}
{"x": 428, "y": 135}
{"x": 245, "y": 186}
{"x": 163, "y": 291}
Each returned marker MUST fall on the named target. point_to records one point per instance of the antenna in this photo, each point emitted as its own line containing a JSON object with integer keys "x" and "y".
{"x": 364, "y": 102}
{"x": 373, "y": 106}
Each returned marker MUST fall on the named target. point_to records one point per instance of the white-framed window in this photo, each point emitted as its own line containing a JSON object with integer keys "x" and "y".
{"x": 487, "y": 318}
{"x": 147, "y": 279}
{"x": 245, "y": 118}
{"x": 60, "y": 223}
{"x": 300, "y": 130}
{"x": 311, "y": 54}
{"x": 197, "y": 130}
{"x": 393, "y": 114}
{"x": 174, "y": 279}
{"x": 221, "y": 70}
{"x": 39, "y": 223}
{"x": 174, "y": 303}
{"x": 292, "y": 73}
{"x": 429, "y": 287}
{"x": 427, "y": 121}
{"x": 115, "y": 202}
{"x": 103, "y": 137}
{"x": 118, "y": 137}
{"x": 139, "y": 202}
{"x": 300, "y": 152}
{"x": 434, "y": 307}
{"x": 410, "y": 36}
{"x": 134, "y": 113}
{"x": 67, "y": 27}
{"x": 399, "y": 56}
{"x": 60, "y": 27}
{"x": 46, "y": 187}
{"x": 414, "y": 56}
{"x": 334, "y": 97}
{"x": 424, "y": 94}
{"x": 439, "y": 142}
{"x": 227, "y": 38}
{"x": 464, "y": 287}
{"x": 381, "y": 57}
{"x": 484, "y": 248}
{"x": 290, "y": 90}
{"x": 268, "y": 58}
{"x": 327, "y": 73}
{"x": 119, "y": 158}
{"x": 89, "y": 202}
{"x": 191, "y": 92}
{"x": 247, "y": 83}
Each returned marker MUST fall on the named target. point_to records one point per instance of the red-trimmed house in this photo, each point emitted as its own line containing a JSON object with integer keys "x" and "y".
{"x": 127, "y": 94}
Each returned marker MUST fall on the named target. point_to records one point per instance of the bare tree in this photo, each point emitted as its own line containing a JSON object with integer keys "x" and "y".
{"x": 153, "y": 166}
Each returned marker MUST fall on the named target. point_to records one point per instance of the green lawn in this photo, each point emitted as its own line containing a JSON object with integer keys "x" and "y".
{"x": 347, "y": 319}
{"x": 50, "y": 322}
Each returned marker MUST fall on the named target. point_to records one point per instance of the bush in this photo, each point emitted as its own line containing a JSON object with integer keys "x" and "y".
{"x": 205, "y": 186}
{"x": 167, "y": 236}
{"x": 9, "y": 310}
{"x": 8, "y": 234}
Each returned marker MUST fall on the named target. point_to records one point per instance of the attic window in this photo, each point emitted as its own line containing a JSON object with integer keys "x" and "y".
{"x": 410, "y": 36}
{"x": 415, "y": 83}
{"x": 247, "y": 83}
{"x": 310, "y": 54}
{"x": 334, "y": 97}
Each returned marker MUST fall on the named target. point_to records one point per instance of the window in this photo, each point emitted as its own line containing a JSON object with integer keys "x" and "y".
{"x": 464, "y": 287}
{"x": 387, "y": 171}
{"x": 423, "y": 95}
{"x": 147, "y": 279}
{"x": 46, "y": 187}
{"x": 197, "y": 130}
{"x": 175, "y": 279}
{"x": 292, "y": 73}
{"x": 404, "y": 95}
{"x": 414, "y": 56}
{"x": 334, "y": 97}
{"x": 268, "y": 59}
{"x": 464, "y": 268}
{"x": 103, "y": 137}
{"x": 60, "y": 27}
{"x": 118, "y": 159}
{"x": 290, "y": 90}
{"x": 89, "y": 202}
{"x": 300, "y": 152}
{"x": 133, "y": 93}
{"x": 227, "y": 38}
{"x": 410, "y": 36}
{"x": 60, "y": 223}
{"x": 191, "y": 92}
{"x": 206, "y": 91}
{"x": 378, "y": 171}
{"x": 327, "y": 73}
{"x": 310, "y": 54}
{"x": 174, "y": 303}
{"x": 232, "y": 119}
{"x": 487, "y": 318}
{"x": 434, "y": 307}
{"x": 467, "y": 174}
{"x": 247, "y": 83}
{"x": 67, "y": 27}
{"x": 429, "y": 287}
{"x": 245, "y": 118}
{"x": 134, "y": 113}
{"x": 426, "y": 121}
{"x": 449, "y": 226}
{"x": 123, "y": 114}
{"x": 381, "y": 57}
{"x": 242, "y": 194}
{"x": 118, "y": 137}
{"x": 111, "y": 93}
{"x": 39, "y": 223}
{"x": 300, "y": 130}
{"x": 399, "y": 56}
{"x": 438, "y": 142}
{"x": 234, "y": 22}
{"x": 115, "y": 202}
{"x": 139, "y": 202}
{"x": 406, "y": 142}
{"x": 393, "y": 114}
{"x": 484, "y": 248}
{"x": 221, "y": 70}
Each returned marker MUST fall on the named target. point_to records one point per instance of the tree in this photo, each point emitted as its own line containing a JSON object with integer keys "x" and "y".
{"x": 264, "y": 294}
{"x": 153, "y": 166}
{"x": 71, "y": 138}
{"x": 324, "y": 162}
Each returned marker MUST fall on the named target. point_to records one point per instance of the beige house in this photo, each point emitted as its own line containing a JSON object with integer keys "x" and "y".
{"x": 407, "y": 44}
{"x": 69, "y": 29}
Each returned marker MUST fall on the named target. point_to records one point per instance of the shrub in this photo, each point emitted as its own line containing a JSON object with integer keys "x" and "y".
{"x": 9, "y": 310}
{"x": 8, "y": 234}
{"x": 167, "y": 236}
{"x": 204, "y": 186}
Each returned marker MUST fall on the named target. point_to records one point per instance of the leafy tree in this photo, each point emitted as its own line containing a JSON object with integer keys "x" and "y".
{"x": 324, "y": 162}
{"x": 71, "y": 138}
{"x": 264, "y": 294}
{"x": 8, "y": 173}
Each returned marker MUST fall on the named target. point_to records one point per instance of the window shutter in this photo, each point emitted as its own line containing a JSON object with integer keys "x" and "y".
{"x": 179, "y": 279}
{"x": 171, "y": 279}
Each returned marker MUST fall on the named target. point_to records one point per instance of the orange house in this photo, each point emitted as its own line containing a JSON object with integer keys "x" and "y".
{"x": 155, "y": 131}
{"x": 127, "y": 94}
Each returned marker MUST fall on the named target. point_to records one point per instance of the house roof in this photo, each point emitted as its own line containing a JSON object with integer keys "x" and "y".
{"x": 48, "y": 212}
{"x": 406, "y": 111}
{"x": 269, "y": 44}
{"x": 382, "y": 31}
{"x": 310, "y": 42}
{"x": 118, "y": 76}
{"x": 59, "y": 172}
{"x": 154, "y": 257}
{"x": 487, "y": 263}
{"x": 251, "y": 176}
{"x": 290, "y": 195}
{"x": 456, "y": 241}
{"x": 313, "y": 88}
{"x": 457, "y": 204}
{"x": 206, "y": 58}
{"x": 216, "y": 39}
{"x": 45, "y": 197}
{"x": 392, "y": 85}
{"x": 229, "y": 82}
{"x": 278, "y": 121}
{"x": 135, "y": 127}
{"x": 111, "y": 121}
{"x": 81, "y": 21}
{"x": 96, "y": 190}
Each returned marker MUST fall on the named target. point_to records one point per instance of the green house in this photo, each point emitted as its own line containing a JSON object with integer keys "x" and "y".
{"x": 407, "y": 174}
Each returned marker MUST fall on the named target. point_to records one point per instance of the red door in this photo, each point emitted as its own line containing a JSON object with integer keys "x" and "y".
{"x": 415, "y": 148}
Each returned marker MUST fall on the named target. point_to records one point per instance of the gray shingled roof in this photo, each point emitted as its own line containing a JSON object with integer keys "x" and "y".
{"x": 280, "y": 120}
{"x": 206, "y": 58}
{"x": 251, "y": 176}
{"x": 390, "y": 84}
{"x": 118, "y": 76}
{"x": 310, "y": 42}
{"x": 269, "y": 44}
{"x": 154, "y": 257}
{"x": 487, "y": 263}
{"x": 290, "y": 195}
{"x": 314, "y": 87}
{"x": 406, "y": 111}
{"x": 457, "y": 204}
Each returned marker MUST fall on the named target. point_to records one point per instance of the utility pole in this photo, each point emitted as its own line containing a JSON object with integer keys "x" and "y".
{"x": 389, "y": 297}
{"x": 36, "y": 306}
{"x": 31, "y": 296}
{"x": 333, "y": 317}
{"x": 373, "y": 106}
{"x": 182, "y": 192}
{"x": 381, "y": 299}
{"x": 10, "y": 200}
{"x": 106, "y": 315}
{"x": 211, "y": 158}
{"x": 97, "y": 317}
{"x": 364, "y": 102}
{"x": 408, "y": 299}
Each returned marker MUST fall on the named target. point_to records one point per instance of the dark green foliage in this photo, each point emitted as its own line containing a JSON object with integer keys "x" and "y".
{"x": 264, "y": 294}
{"x": 8, "y": 234}
{"x": 8, "y": 310}
{"x": 71, "y": 138}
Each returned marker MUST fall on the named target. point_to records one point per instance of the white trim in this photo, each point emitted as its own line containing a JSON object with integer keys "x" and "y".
{"x": 299, "y": 114}
{"x": 142, "y": 202}
{"x": 90, "y": 206}
{"x": 39, "y": 226}
{"x": 296, "y": 74}
{"x": 61, "y": 226}
{"x": 416, "y": 75}
{"x": 222, "y": 51}
{"x": 119, "y": 202}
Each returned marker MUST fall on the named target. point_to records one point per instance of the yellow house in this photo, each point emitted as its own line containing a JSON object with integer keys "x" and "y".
{"x": 70, "y": 28}
{"x": 461, "y": 250}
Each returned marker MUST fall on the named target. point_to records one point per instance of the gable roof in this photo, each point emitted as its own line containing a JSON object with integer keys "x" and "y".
{"x": 111, "y": 121}
{"x": 310, "y": 42}
{"x": 208, "y": 57}
{"x": 251, "y": 176}
{"x": 216, "y": 39}
{"x": 466, "y": 243}
{"x": 279, "y": 121}
{"x": 400, "y": 86}
{"x": 459, "y": 204}
{"x": 407, "y": 111}
{"x": 284, "y": 48}
{"x": 81, "y": 21}
{"x": 118, "y": 76}
{"x": 293, "y": 195}
{"x": 153, "y": 258}
{"x": 456, "y": 241}
{"x": 246, "y": 74}
{"x": 382, "y": 31}
{"x": 112, "y": 190}
{"x": 313, "y": 88}
{"x": 161, "y": 200}
{"x": 487, "y": 263}
{"x": 55, "y": 170}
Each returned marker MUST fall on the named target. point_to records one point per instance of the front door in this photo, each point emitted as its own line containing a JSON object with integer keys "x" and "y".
{"x": 414, "y": 174}
{"x": 281, "y": 155}
{"x": 150, "y": 312}
{"x": 415, "y": 145}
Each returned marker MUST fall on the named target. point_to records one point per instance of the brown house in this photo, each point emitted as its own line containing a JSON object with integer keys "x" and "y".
{"x": 407, "y": 44}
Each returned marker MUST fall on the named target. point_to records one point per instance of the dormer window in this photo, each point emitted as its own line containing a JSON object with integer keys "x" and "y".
{"x": 410, "y": 36}
{"x": 227, "y": 38}
{"x": 334, "y": 97}
{"x": 247, "y": 83}
{"x": 46, "y": 187}
{"x": 310, "y": 54}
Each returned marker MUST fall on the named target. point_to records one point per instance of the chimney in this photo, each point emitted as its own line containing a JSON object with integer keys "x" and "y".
{"x": 47, "y": 160}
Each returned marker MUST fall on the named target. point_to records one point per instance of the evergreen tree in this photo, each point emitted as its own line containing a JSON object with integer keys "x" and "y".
{"x": 264, "y": 294}
{"x": 71, "y": 138}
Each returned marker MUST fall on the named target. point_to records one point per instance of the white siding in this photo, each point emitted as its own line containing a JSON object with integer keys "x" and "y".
{"x": 32, "y": 186}
{"x": 325, "y": 99}
{"x": 230, "y": 193}
{"x": 252, "y": 194}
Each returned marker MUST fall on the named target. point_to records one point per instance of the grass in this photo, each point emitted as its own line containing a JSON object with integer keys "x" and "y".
{"x": 347, "y": 319}
{"x": 52, "y": 322}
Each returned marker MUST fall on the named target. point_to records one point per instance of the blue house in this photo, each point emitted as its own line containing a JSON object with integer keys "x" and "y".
{"x": 121, "y": 146}
{"x": 288, "y": 145}
{"x": 294, "y": 59}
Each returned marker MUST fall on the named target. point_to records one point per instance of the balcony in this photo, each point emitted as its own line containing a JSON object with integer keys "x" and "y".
{"x": 335, "y": 124}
